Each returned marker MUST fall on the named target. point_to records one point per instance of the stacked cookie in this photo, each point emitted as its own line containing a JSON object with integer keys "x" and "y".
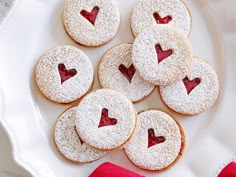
{"x": 105, "y": 120}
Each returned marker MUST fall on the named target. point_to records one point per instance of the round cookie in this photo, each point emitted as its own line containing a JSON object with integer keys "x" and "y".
{"x": 93, "y": 22}
{"x": 117, "y": 72}
{"x": 105, "y": 119}
{"x": 158, "y": 141}
{"x": 161, "y": 12}
{"x": 64, "y": 74}
{"x": 69, "y": 143}
{"x": 195, "y": 93}
{"x": 162, "y": 55}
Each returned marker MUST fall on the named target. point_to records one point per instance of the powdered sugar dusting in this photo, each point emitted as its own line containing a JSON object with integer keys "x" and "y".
{"x": 48, "y": 77}
{"x": 88, "y": 116}
{"x": 81, "y": 30}
{"x": 201, "y": 97}
{"x": 142, "y": 16}
{"x": 173, "y": 68}
{"x": 111, "y": 77}
{"x": 68, "y": 142}
{"x": 161, "y": 155}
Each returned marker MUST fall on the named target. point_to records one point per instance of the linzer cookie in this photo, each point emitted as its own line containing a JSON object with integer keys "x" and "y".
{"x": 117, "y": 72}
{"x": 195, "y": 93}
{"x": 69, "y": 143}
{"x": 64, "y": 74}
{"x": 161, "y": 12}
{"x": 91, "y": 23}
{"x": 105, "y": 119}
{"x": 162, "y": 55}
{"x": 158, "y": 141}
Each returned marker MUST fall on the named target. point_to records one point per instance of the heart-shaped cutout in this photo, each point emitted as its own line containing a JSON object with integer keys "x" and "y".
{"x": 127, "y": 72}
{"x": 65, "y": 74}
{"x": 161, "y": 20}
{"x": 90, "y": 16}
{"x": 191, "y": 84}
{"x": 154, "y": 140}
{"x": 106, "y": 120}
{"x": 162, "y": 54}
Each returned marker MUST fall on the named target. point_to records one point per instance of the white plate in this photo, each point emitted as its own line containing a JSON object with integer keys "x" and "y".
{"x": 34, "y": 27}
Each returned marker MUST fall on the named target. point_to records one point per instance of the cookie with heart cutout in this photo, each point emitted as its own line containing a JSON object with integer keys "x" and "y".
{"x": 158, "y": 141}
{"x": 69, "y": 143}
{"x": 116, "y": 72}
{"x": 162, "y": 55}
{"x": 196, "y": 93}
{"x": 91, "y": 23}
{"x": 105, "y": 119}
{"x": 64, "y": 74}
{"x": 173, "y": 13}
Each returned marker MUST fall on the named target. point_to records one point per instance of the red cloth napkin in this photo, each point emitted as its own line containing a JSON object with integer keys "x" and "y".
{"x": 229, "y": 170}
{"x": 110, "y": 170}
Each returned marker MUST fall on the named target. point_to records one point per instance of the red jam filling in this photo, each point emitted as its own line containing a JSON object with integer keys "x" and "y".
{"x": 106, "y": 120}
{"x": 229, "y": 170}
{"x": 154, "y": 140}
{"x": 65, "y": 74}
{"x": 78, "y": 135}
{"x": 161, "y": 54}
{"x": 127, "y": 72}
{"x": 191, "y": 84}
{"x": 90, "y": 16}
{"x": 163, "y": 20}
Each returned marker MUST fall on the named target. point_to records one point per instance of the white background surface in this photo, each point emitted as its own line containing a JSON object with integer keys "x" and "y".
{"x": 224, "y": 11}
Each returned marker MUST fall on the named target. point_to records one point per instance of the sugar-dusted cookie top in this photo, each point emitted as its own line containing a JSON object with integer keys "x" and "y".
{"x": 105, "y": 119}
{"x": 196, "y": 93}
{"x": 117, "y": 72}
{"x": 93, "y": 22}
{"x": 162, "y": 55}
{"x": 157, "y": 143}
{"x": 68, "y": 141}
{"x": 174, "y": 13}
{"x": 64, "y": 74}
